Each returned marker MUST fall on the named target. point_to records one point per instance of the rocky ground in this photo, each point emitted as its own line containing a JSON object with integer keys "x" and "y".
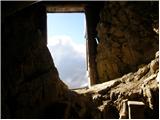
{"x": 31, "y": 87}
{"x": 143, "y": 85}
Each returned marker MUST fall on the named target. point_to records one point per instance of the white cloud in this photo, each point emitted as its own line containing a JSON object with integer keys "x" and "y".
{"x": 70, "y": 60}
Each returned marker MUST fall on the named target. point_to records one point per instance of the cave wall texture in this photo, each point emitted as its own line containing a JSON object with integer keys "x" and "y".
{"x": 29, "y": 76}
{"x": 126, "y": 37}
{"x": 31, "y": 87}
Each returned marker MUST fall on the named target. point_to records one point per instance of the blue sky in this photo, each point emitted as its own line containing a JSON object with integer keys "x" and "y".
{"x": 70, "y": 24}
{"x": 67, "y": 46}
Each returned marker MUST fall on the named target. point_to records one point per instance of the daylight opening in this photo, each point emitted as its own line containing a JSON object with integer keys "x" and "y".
{"x": 67, "y": 45}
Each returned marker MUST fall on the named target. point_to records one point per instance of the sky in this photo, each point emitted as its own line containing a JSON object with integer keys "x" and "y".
{"x": 67, "y": 45}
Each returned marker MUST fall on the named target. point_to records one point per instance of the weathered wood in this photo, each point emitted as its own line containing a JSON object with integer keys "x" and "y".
{"x": 91, "y": 46}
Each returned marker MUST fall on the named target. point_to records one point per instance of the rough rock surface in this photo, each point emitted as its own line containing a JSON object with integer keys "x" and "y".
{"x": 30, "y": 80}
{"x": 111, "y": 97}
{"x": 31, "y": 87}
{"x": 120, "y": 30}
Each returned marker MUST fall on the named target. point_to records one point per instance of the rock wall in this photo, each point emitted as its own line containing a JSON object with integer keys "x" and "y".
{"x": 31, "y": 87}
{"x": 126, "y": 37}
{"x": 143, "y": 85}
{"x": 30, "y": 80}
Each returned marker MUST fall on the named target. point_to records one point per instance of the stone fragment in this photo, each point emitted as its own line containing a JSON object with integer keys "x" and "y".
{"x": 157, "y": 54}
{"x": 148, "y": 94}
{"x": 142, "y": 71}
{"x": 154, "y": 66}
{"x": 124, "y": 110}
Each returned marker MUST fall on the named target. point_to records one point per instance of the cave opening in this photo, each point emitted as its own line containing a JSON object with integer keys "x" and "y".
{"x": 67, "y": 45}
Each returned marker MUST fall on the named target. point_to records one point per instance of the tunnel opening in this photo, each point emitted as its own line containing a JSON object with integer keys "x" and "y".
{"x": 67, "y": 45}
